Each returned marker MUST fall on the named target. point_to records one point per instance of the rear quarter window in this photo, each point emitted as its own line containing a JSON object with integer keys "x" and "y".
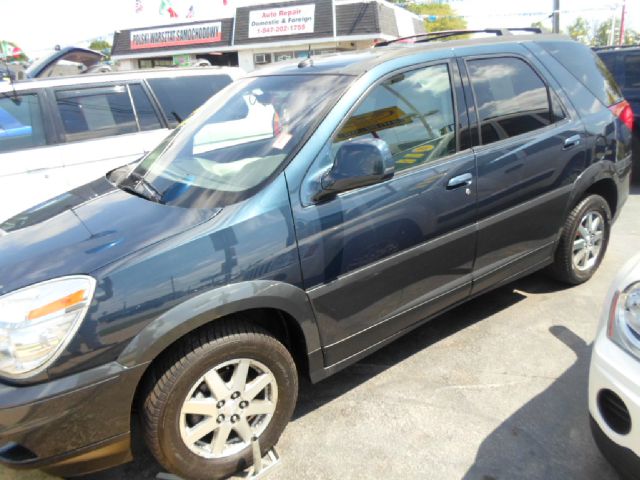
{"x": 587, "y": 67}
{"x": 180, "y": 96}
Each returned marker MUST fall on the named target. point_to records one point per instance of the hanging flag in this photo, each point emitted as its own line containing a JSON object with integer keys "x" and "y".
{"x": 165, "y": 7}
{"x": 138, "y": 6}
{"x": 190, "y": 12}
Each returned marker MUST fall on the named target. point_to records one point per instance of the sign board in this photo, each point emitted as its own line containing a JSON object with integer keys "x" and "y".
{"x": 176, "y": 36}
{"x": 273, "y": 22}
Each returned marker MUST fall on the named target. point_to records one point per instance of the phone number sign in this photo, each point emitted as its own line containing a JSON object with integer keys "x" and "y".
{"x": 274, "y": 22}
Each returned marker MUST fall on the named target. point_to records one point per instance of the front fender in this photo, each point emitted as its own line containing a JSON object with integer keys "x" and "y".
{"x": 217, "y": 303}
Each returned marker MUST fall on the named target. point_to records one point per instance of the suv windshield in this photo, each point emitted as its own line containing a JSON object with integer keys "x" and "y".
{"x": 236, "y": 142}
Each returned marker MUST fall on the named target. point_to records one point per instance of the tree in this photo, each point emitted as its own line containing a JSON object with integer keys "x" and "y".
{"x": 438, "y": 16}
{"x": 101, "y": 46}
{"x": 541, "y": 26}
{"x": 580, "y": 30}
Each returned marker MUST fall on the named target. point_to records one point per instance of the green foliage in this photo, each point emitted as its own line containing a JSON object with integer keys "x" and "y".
{"x": 541, "y": 26}
{"x": 101, "y": 46}
{"x": 447, "y": 18}
{"x": 580, "y": 30}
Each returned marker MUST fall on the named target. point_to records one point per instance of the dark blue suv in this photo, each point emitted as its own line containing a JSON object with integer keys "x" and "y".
{"x": 303, "y": 218}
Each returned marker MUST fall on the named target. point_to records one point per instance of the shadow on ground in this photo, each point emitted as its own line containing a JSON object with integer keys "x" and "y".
{"x": 549, "y": 437}
{"x": 544, "y": 429}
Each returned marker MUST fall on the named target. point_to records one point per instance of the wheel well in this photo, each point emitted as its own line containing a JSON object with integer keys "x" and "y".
{"x": 277, "y": 322}
{"x": 606, "y": 188}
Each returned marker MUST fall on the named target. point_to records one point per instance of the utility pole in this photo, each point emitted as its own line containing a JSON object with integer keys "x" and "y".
{"x": 556, "y": 16}
{"x": 624, "y": 8}
{"x": 612, "y": 33}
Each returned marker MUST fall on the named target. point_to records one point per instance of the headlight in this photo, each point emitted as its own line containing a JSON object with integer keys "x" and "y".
{"x": 624, "y": 319}
{"x": 37, "y": 323}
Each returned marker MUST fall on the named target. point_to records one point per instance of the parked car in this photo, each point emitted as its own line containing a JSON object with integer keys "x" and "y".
{"x": 614, "y": 376}
{"x": 624, "y": 64}
{"x": 363, "y": 194}
{"x": 60, "y": 133}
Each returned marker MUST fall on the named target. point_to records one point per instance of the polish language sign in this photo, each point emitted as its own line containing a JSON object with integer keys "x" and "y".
{"x": 274, "y": 22}
{"x": 176, "y": 36}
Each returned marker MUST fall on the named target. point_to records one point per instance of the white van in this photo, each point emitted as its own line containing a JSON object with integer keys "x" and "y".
{"x": 62, "y": 132}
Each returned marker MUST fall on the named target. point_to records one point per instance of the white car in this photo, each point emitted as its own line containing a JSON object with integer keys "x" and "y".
{"x": 614, "y": 376}
{"x": 60, "y": 133}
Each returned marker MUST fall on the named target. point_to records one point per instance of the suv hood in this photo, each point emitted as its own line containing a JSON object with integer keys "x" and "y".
{"x": 83, "y": 230}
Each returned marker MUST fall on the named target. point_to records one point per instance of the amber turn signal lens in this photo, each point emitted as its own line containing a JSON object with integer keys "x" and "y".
{"x": 61, "y": 304}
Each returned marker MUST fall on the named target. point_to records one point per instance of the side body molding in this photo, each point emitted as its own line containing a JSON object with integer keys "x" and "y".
{"x": 213, "y": 304}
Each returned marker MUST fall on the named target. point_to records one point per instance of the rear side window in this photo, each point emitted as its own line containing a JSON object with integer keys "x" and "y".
{"x": 632, "y": 71}
{"x": 21, "y": 123}
{"x": 511, "y": 98}
{"x": 412, "y": 112}
{"x": 147, "y": 117}
{"x": 180, "y": 96}
{"x": 587, "y": 67}
{"x": 96, "y": 112}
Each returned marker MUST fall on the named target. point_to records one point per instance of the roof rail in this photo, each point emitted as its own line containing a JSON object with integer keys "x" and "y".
{"x": 431, "y": 36}
{"x": 615, "y": 47}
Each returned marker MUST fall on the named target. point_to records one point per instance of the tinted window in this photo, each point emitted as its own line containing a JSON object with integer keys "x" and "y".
{"x": 511, "y": 98}
{"x": 412, "y": 112}
{"x": 20, "y": 123}
{"x": 609, "y": 60}
{"x": 632, "y": 71}
{"x": 587, "y": 67}
{"x": 180, "y": 96}
{"x": 96, "y": 112}
{"x": 147, "y": 117}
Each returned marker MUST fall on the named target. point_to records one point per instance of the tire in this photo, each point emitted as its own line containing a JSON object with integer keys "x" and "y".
{"x": 219, "y": 351}
{"x": 569, "y": 265}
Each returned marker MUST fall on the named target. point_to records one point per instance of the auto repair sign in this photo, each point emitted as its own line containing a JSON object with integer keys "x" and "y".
{"x": 274, "y": 22}
{"x": 176, "y": 36}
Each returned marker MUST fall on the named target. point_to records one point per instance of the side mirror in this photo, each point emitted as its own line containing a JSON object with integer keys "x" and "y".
{"x": 358, "y": 163}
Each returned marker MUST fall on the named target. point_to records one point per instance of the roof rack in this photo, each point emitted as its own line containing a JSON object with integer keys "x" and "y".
{"x": 615, "y": 47}
{"x": 431, "y": 36}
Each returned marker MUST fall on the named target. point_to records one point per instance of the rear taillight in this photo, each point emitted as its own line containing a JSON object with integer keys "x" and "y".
{"x": 623, "y": 111}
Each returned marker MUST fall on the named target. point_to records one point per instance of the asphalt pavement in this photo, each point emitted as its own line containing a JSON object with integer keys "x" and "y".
{"x": 493, "y": 390}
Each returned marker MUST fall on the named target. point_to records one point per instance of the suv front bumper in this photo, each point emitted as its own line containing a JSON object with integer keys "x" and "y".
{"x": 72, "y": 425}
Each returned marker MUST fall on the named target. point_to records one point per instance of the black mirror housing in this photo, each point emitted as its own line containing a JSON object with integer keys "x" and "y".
{"x": 359, "y": 163}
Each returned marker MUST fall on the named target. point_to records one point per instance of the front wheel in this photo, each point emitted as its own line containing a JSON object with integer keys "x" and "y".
{"x": 214, "y": 392}
{"x": 583, "y": 242}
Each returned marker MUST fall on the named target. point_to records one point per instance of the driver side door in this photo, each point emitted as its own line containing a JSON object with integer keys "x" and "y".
{"x": 380, "y": 258}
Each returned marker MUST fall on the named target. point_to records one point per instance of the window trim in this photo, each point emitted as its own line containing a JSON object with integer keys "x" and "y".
{"x": 478, "y": 120}
{"x": 411, "y": 68}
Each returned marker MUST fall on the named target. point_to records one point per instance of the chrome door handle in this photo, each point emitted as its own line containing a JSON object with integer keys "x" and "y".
{"x": 571, "y": 142}
{"x": 460, "y": 181}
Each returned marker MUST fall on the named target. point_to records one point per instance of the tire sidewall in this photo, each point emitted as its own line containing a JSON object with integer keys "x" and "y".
{"x": 196, "y": 364}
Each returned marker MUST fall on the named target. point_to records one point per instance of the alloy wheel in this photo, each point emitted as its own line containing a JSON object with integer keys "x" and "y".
{"x": 227, "y": 406}
{"x": 588, "y": 241}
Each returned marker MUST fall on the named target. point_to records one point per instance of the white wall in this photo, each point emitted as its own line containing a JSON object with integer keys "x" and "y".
{"x": 245, "y": 60}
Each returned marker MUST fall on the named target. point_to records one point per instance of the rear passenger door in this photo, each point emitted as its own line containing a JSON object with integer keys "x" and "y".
{"x": 378, "y": 259}
{"x": 103, "y": 127}
{"x": 529, "y": 153}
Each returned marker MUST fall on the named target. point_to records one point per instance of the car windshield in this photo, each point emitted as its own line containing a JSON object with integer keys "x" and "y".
{"x": 235, "y": 143}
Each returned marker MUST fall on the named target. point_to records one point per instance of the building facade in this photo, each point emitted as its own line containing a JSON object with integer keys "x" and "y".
{"x": 259, "y": 34}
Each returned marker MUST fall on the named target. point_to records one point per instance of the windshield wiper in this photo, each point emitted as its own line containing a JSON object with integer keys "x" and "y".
{"x": 149, "y": 193}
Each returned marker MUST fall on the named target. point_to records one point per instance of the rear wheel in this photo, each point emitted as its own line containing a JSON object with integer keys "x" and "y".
{"x": 212, "y": 393}
{"x": 584, "y": 240}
